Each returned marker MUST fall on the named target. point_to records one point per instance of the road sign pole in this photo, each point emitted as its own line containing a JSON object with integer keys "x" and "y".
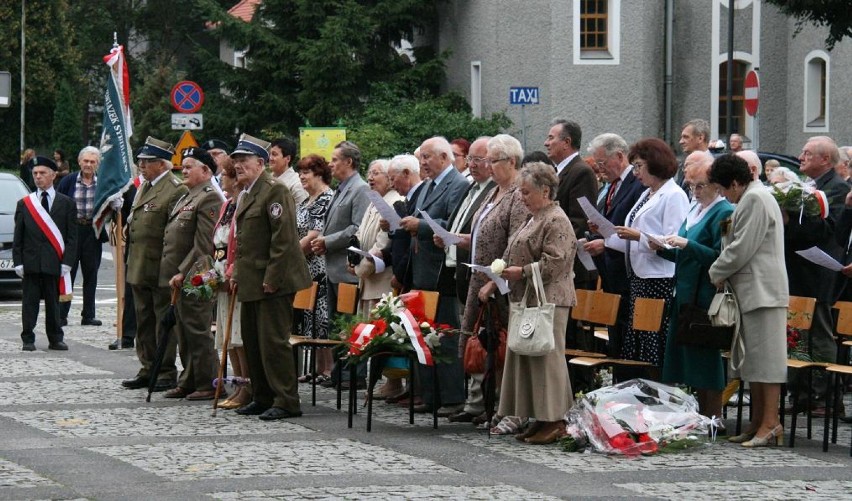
{"x": 524, "y": 126}
{"x": 755, "y": 141}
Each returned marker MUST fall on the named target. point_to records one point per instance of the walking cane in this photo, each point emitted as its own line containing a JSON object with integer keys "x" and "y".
{"x": 232, "y": 301}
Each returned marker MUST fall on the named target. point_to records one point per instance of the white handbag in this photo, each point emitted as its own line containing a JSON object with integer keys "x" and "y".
{"x": 531, "y": 327}
{"x": 724, "y": 311}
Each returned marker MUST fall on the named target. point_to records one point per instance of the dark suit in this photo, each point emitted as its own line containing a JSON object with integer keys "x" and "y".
{"x": 89, "y": 249}
{"x": 397, "y": 254}
{"x": 811, "y": 280}
{"x": 268, "y": 253}
{"x": 429, "y": 273}
{"x": 463, "y": 255}
{"x": 611, "y": 264}
{"x": 42, "y": 266}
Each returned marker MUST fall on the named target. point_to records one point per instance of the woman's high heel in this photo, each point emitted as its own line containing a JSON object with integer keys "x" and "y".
{"x": 743, "y": 437}
{"x": 775, "y": 435}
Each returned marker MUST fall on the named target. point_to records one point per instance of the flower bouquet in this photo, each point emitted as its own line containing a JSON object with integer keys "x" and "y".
{"x": 635, "y": 417}
{"x": 798, "y": 197}
{"x": 203, "y": 280}
{"x": 397, "y": 324}
{"x": 797, "y": 345}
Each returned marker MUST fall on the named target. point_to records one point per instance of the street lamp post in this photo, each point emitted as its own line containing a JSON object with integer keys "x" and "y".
{"x": 23, "y": 67}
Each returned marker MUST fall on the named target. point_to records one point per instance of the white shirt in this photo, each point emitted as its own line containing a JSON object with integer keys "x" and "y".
{"x": 564, "y": 163}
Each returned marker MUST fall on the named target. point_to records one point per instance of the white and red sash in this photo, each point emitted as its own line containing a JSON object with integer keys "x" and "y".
{"x": 54, "y": 236}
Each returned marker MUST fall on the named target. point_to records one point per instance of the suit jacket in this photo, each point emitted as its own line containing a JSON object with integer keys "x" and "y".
{"x": 397, "y": 254}
{"x": 662, "y": 214}
{"x": 752, "y": 256}
{"x": 427, "y": 260}
{"x": 267, "y": 243}
{"x": 68, "y": 187}
{"x": 148, "y": 217}
{"x": 844, "y": 228}
{"x": 806, "y": 278}
{"x": 342, "y": 219}
{"x": 577, "y": 180}
{"x": 611, "y": 264}
{"x": 463, "y": 255}
{"x": 189, "y": 232}
{"x": 30, "y": 246}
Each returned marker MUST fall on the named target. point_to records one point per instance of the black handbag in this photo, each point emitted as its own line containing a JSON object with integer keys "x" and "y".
{"x": 695, "y": 330}
{"x": 353, "y": 258}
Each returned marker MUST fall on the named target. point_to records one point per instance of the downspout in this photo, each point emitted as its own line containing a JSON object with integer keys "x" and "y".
{"x": 667, "y": 88}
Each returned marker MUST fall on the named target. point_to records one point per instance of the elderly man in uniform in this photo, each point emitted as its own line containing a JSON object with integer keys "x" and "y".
{"x": 80, "y": 187}
{"x": 268, "y": 272}
{"x": 149, "y": 214}
{"x": 43, "y": 250}
{"x": 187, "y": 239}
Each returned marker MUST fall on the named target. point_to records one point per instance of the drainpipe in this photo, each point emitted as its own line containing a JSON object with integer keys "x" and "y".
{"x": 667, "y": 88}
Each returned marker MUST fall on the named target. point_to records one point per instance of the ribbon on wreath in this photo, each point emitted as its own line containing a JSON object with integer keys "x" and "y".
{"x": 412, "y": 328}
{"x": 361, "y": 335}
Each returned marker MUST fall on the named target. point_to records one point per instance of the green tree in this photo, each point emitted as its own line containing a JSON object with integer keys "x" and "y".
{"x": 835, "y": 14}
{"x": 66, "y": 133}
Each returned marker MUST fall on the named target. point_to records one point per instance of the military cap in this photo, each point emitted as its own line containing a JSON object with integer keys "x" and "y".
{"x": 215, "y": 144}
{"x": 44, "y": 161}
{"x": 201, "y": 155}
{"x": 154, "y": 148}
{"x": 249, "y": 145}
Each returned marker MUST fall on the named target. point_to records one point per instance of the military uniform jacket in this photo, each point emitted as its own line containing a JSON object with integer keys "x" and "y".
{"x": 148, "y": 218}
{"x": 189, "y": 232}
{"x": 30, "y": 246}
{"x": 267, "y": 243}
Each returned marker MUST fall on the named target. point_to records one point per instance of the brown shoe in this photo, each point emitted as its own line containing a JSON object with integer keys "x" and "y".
{"x": 201, "y": 395}
{"x": 177, "y": 392}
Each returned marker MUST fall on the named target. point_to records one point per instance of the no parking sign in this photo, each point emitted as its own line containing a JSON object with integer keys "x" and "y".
{"x": 187, "y": 96}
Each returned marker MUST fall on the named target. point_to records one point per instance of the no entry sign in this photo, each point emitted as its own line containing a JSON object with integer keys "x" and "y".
{"x": 752, "y": 92}
{"x": 187, "y": 97}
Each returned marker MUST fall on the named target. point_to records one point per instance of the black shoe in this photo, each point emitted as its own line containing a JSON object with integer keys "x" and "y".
{"x": 124, "y": 344}
{"x": 461, "y": 417}
{"x": 90, "y": 321}
{"x": 274, "y": 413}
{"x": 63, "y": 322}
{"x": 252, "y": 409}
{"x": 135, "y": 383}
{"x": 29, "y": 347}
{"x": 163, "y": 384}
{"x": 59, "y": 346}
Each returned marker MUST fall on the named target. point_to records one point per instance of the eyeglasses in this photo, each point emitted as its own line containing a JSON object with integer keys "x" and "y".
{"x": 489, "y": 161}
{"x": 600, "y": 163}
{"x": 476, "y": 160}
{"x": 639, "y": 165}
{"x": 698, "y": 186}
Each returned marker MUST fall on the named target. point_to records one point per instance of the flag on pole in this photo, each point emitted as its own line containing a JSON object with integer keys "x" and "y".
{"x": 116, "y": 167}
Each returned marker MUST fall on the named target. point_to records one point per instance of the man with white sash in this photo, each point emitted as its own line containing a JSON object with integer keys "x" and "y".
{"x": 43, "y": 250}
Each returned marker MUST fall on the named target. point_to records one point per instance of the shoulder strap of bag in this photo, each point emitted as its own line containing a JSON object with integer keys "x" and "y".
{"x": 738, "y": 351}
{"x": 539, "y": 283}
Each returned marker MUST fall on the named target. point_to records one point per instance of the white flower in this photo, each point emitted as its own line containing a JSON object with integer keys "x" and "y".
{"x": 424, "y": 325}
{"x": 397, "y": 331}
{"x": 497, "y": 266}
{"x": 432, "y": 340}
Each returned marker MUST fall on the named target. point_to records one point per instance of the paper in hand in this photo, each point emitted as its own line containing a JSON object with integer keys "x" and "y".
{"x": 502, "y": 283}
{"x": 377, "y": 261}
{"x": 584, "y": 257}
{"x": 658, "y": 240}
{"x": 818, "y": 256}
{"x": 605, "y": 226}
{"x": 448, "y": 238}
{"x": 386, "y": 211}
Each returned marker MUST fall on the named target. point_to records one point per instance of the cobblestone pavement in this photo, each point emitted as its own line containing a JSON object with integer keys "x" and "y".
{"x": 69, "y": 431}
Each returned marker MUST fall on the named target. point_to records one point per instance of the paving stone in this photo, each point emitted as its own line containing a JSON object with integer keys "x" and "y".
{"x": 211, "y": 460}
{"x": 400, "y": 492}
{"x": 14, "y": 475}
{"x": 183, "y": 419}
{"x": 770, "y": 489}
{"x": 7, "y": 346}
{"x": 29, "y": 366}
{"x": 69, "y": 391}
{"x": 715, "y": 456}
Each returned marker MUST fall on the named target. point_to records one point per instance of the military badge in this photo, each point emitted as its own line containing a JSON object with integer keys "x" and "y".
{"x": 149, "y": 207}
{"x": 275, "y": 210}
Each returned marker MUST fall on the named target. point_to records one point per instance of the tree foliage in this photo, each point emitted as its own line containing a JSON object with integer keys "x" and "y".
{"x": 66, "y": 132}
{"x": 834, "y": 14}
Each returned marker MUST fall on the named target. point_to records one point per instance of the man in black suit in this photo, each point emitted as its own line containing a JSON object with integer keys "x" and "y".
{"x": 576, "y": 180}
{"x": 610, "y": 154}
{"x": 404, "y": 173}
{"x": 818, "y": 158}
{"x": 43, "y": 250}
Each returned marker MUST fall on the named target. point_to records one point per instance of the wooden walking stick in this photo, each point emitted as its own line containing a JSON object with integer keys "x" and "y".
{"x": 220, "y": 382}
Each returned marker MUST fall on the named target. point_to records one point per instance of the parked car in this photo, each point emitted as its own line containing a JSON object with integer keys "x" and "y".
{"x": 12, "y": 189}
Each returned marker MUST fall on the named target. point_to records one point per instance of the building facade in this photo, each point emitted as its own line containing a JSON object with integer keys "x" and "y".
{"x": 644, "y": 67}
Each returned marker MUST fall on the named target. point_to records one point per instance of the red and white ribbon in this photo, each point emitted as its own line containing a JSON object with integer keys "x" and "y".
{"x": 361, "y": 335}
{"x": 424, "y": 354}
{"x": 822, "y": 200}
{"x": 54, "y": 236}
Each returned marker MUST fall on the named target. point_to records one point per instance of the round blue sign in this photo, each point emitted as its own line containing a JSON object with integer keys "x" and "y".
{"x": 187, "y": 97}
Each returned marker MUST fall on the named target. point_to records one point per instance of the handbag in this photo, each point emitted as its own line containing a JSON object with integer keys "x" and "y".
{"x": 724, "y": 310}
{"x": 695, "y": 329}
{"x": 531, "y": 327}
{"x": 476, "y": 349}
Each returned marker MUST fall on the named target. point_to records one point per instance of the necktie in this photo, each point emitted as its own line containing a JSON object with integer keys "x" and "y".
{"x": 611, "y": 193}
{"x": 422, "y": 200}
{"x": 44, "y": 201}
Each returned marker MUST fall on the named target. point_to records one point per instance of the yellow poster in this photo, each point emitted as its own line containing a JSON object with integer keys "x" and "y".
{"x": 319, "y": 140}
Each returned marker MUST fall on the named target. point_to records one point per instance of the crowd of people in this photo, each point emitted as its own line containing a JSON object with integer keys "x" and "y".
{"x": 272, "y": 226}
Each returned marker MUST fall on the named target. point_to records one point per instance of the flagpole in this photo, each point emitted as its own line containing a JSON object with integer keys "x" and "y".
{"x": 119, "y": 276}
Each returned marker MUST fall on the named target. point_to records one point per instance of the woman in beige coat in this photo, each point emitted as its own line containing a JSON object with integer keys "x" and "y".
{"x": 538, "y": 387}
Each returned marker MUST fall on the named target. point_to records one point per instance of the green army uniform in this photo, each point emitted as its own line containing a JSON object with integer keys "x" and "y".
{"x": 148, "y": 218}
{"x": 268, "y": 252}
{"x": 187, "y": 238}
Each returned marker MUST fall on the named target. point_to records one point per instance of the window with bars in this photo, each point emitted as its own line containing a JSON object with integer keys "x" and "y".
{"x": 594, "y": 25}
{"x": 738, "y": 98}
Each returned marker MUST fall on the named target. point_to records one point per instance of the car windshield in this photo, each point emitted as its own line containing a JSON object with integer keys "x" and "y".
{"x": 11, "y": 190}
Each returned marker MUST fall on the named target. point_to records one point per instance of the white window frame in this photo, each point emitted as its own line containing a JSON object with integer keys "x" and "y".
{"x": 476, "y": 88}
{"x": 613, "y": 55}
{"x": 811, "y": 92}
